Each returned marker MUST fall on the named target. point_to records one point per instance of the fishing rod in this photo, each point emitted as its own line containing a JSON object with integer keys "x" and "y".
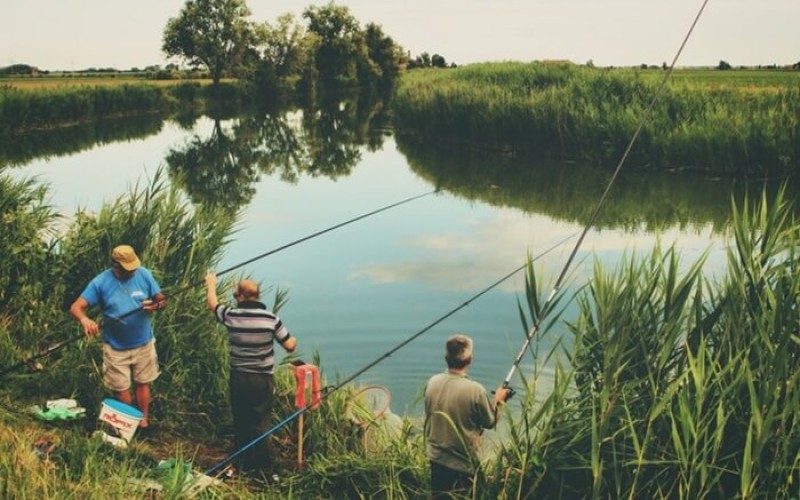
{"x": 49, "y": 350}
{"x": 41, "y": 354}
{"x": 387, "y": 354}
{"x": 593, "y": 218}
{"x": 291, "y": 244}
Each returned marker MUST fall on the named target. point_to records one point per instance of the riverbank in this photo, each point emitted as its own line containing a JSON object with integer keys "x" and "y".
{"x": 726, "y": 122}
{"x": 36, "y": 105}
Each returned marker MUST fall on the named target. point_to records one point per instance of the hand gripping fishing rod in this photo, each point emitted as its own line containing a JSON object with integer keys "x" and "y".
{"x": 396, "y": 348}
{"x": 49, "y": 350}
{"x": 559, "y": 282}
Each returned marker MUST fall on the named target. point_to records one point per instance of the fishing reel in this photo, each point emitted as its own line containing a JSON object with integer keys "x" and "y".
{"x": 510, "y": 390}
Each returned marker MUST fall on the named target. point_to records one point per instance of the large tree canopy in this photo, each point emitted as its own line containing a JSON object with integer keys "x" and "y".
{"x": 212, "y": 33}
{"x": 287, "y": 47}
{"x": 345, "y": 52}
{"x": 339, "y": 38}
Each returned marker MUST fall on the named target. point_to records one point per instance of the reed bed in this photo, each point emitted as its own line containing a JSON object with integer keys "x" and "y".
{"x": 34, "y": 84}
{"x": 22, "y": 110}
{"x": 567, "y": 111}
{"x": 45, "y": 108}
{"x": 677, "y": 387}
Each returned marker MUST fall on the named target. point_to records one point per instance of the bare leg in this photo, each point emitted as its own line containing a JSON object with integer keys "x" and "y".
{"x": 143, "y": 402}
{"x": 124, "y": 396}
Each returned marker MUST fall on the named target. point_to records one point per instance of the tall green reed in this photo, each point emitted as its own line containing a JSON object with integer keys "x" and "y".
{"x": 46, "y": 108}
{"x": 574, "y": 112}
{"x": 677, "y": 386}
{"x": 178, "y": 242}
{"x": 30, "y": 271}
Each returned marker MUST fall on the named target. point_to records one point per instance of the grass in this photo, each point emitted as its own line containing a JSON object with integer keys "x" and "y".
{"x": 55, "y": 82}
{"x": 28, "y": 105}
{"x": 742, "y": 128}
{"x": 748, "y": 79}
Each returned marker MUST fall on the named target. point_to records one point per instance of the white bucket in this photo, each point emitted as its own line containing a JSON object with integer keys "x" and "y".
{"x": 123, "y": 419}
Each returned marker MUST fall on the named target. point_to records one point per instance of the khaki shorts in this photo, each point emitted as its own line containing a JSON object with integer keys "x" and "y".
{"x": 139, "y": 362}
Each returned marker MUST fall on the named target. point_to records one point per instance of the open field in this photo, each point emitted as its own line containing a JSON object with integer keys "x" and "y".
{"x": 747, "y": 78}
{"x": 52, "y": 82}
{"x": 762, "y": 79}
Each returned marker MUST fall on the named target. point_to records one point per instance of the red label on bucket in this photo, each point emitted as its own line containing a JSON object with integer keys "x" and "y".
{"x": 113, "y": 419}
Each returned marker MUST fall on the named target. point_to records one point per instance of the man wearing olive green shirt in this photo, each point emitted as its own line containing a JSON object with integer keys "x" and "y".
{"x": 457, "y": 410}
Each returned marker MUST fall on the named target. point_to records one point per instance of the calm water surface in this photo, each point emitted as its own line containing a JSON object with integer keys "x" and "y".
{"x": 357, "y": 292}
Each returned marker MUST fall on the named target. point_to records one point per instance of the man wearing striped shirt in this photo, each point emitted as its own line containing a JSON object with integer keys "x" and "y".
{"x": 252, "y": 332}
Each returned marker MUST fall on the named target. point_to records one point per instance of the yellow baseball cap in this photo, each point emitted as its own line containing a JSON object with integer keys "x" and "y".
{"x": 125, "y": 257}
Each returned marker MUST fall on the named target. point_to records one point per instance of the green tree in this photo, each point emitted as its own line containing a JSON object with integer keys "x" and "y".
{"x": 212, "y": 33}
{"x": 384, "y": 54}
{"x": 724, "y": 65}
{"x": 423, "y": 60}
{"x": 338, "y": 40}
{"x": 286, "y": 46}
{"x": 438, "y": 61}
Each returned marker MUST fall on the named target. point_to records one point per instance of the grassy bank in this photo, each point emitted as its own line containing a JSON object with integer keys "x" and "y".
{"x": 59, "y": 103}
{"x": 743, "y": 126}
{"x": 88, "y": 82}
{"x": 674, "y": 386}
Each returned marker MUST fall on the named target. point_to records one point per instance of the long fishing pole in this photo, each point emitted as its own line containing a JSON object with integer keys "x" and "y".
{"x": 557, "y": 286}
{"x": 49, "y": 350}
{"x": 388, "y": 353}
{"x": 291, "y": 244}
{"x": 41, "y": 354}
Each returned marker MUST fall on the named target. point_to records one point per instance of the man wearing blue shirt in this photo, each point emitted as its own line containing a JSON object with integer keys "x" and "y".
{"x": 128, "y": 341}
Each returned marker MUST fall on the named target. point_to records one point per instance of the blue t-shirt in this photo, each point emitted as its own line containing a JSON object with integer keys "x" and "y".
{"x": 117, "y": 297}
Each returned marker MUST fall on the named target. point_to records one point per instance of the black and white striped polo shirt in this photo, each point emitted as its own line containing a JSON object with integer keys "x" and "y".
{"x": 252, "y": 330}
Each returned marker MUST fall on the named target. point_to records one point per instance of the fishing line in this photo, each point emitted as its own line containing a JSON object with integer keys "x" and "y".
{"x": 291, "y": 244}
{"x": 120, "y": 318}
{"x": 648, "y": 112}
{"x": 388, "y": 353}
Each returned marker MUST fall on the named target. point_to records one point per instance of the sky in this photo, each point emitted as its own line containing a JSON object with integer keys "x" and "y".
{"x": 80, "y": 34}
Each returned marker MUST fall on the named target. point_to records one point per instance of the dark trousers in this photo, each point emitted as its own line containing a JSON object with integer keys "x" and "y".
{"x": 251, "y": 405}
{"x": 446, "y": 482}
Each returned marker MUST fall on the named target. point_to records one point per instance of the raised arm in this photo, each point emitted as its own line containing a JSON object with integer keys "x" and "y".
{"x": 211, "y": 292}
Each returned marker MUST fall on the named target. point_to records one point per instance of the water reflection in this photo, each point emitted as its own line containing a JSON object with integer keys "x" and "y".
{"x": 218, "y": 170}
{"x": 640, "y": 199}
{"x": 357, "y": 292}
{"x": 21, "y": 149}
{"x": 221, "y": 169}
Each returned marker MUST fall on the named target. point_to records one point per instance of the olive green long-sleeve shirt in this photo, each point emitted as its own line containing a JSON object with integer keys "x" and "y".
{"x": 457, "y": 410}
